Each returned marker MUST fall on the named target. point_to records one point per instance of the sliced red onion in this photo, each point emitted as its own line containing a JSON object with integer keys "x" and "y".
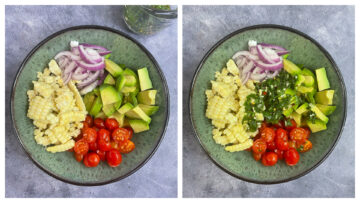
{"x": 70, "y": 67}
{"x": 253, "y": 50}
{"x": 240, "y": 62}
{"x": 102, "y": 77}
{"x": 264, "y": 57}
{"x": 67, "y": 54}
{"x": 91, "y": 59}
{"x": 89, "y": 88}
{"x": 272, "y": 54}
{"x": 75, "y": 50}
{"x": 91, "y": 78}
{"x": 103, "y": 53}
{"x": 67, "y": 78}
{"x": 248, "y": 67}
{"x": 63, "y": 61}
{"x": 272, "y": 46}
{"x": 272, "y": 67}
{"x": 280, "y": 53}
{"x": 272, "y": 75}
{"x": 94, "y": 46}
{"x": 258, "y": 76}
{"x": 246, "y": 54}
{"x": 79, "y": 74}
{"x": 92, "y": 67}
{"x": 245, "y": 78}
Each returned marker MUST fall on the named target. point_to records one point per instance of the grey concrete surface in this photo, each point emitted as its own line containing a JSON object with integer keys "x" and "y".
{"x": 333, "y": 28}
{"x": 28, "y": 25}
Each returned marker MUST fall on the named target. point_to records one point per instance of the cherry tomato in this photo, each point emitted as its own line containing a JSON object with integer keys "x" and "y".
{"x": 298, "y": 135}
{"x": 86, "y": 161}
{"x": 111, "y": 124}
{"x": 292, "y": 144}
{"x": 259, "y": 146}
{"x": 282, "y": 145}
{"x": 71, "y": 150}
{"x": 104, "y": 145}
{"x": 263, "y": 126}
{"x": 89, "y": 121}
{"x": 131, "y": 132}
{"x": 93, "y": 146}
{"x": 79, "y": 137}
{"x": 306, "y": 146}
{"x": 280, "y": 154}
{"x": 281, "y": 139}
{"x": 115, "y": 145}
{"x": 263, "y": 161}
{"x": 281, "y": 134}
{"x": 90, "y": 135}
{"x": 120, "y": 134}
{"x": 267, "y": 134}
{"x": 291, "y": 157}
{"x": 78, "y": 157}
{"x": 93, "y": 159}
{"x": 85, "y": 126}
{"x": 271, "y": 158}
{"x": 127, "y": 146}
{"x": 271, "y": 145}
{"x": 280, "y": 124}
{"x": 81, "y": 147}
{"x": 96, "y": 128}
{"x": 101, "y": 154}
{"x": 103, "y": 134}
{"x": 98, "y": 122}
{"x": 292, "y": 126}
{"x": 256, "y": 156}
{"x": 113, "y": 158}
{"x": 308, "y": 132}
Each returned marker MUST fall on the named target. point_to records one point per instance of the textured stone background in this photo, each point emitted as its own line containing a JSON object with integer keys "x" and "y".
{"x": 333, "y": 28}
{"x": 26, "y": 26}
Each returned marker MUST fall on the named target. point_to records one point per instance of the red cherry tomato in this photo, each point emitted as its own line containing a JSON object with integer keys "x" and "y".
{"x": 81, "y": 147}
{"x": 111, "y": 124}
{"x": 291, "y": 157}
{"x": 115, "y": 145}
{"x": 127, "y": 146}
{"x": 259, "y": 146}
{"x": 292, "y": 126}
{"x": 281, "y": 134}
{"x": 263, "y": 126}
{"x": 267, "y": 134}
{"x": 120, "y": 135}
{"x": 280, "y": 154}
{"x": 86, "y": 161}
{"x": 292, "y": 144}
{"x": 79, "y": 137}
{"x": 282, "y": 145}
{"x": 113, "y": 158}
{"x": 85, "y": 126}
{"x": 101, "y": 154}
{"x": 270, "y": 158}
{"x": 298, "y": 135}
{"x": 90, "y": 135}
{"x": 96, "y": 128}
{"x": 78, "y": 157}
{"x": 256, "y": 156}
{"x": 308, "y": 132}
{"x": 98, "y": 122}
{"x": 103, "y": 134}
{"x": 281, "y": 139}
{"x": 103, "y": 145}
{"x": 271, "y": 146}
{"x": 93, "y": 159}
{"x": 304, "y": 147}
{"x": 89, "y": 121}
{"x": 131, "y": 132}
{"x": 93, "y": 146}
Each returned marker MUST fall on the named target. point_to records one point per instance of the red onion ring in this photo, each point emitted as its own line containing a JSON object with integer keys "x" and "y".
{"x": 92, "y": 67}
{"x": 272, "y": 67}
{"x": 79, "y": 75}
{"x": 89, "y": 88}
{"x": 246, "y": 54}
{"x": 91, "y": 78}
{"x": 67, "y": 54}
{"x": 70, "y": 67}
{"x": 90, "y": 59}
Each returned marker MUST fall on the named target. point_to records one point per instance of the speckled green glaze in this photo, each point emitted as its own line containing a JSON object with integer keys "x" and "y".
{"x": 241, "y": 164}
{"x": 63, "y": 165}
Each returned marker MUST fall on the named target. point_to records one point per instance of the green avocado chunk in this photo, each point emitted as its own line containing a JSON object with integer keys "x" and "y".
{"x": 291, "y": 68}
{"x": 302, "y": 109}
{"x": 109, "y": 80}
{"x": 304, "y": 90}
{"x": 128, "y": 89}
{"x": 309, "y": 81}
{"x": 125, "y": 108}
{"x": 139, "y": 125}
{"x": 109, "y": 109}
{"x": 120, "y": 83}
{"x": 147, "y": 97}
{"x": 327, "y": 110}
{"x": 89, "y": 99}
{"x": 109, "y": 95}
{"x": 322, "y": 80}
{"x": 96, "y": 107}
{"x": 144, "y": 79}
{"x": 113, "y": 68}
{"x": 318, "y": 113}
{"x": 130, "y": 80}
{"x": 317, "y": 126}
{"x": 137, "y": 113}
{"x": 325, "y": 97}
{"x": 149, "y": 110}
{"x": 296, "y": 117}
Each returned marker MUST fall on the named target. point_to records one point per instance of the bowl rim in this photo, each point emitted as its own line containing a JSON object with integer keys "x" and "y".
{"x": 267, "y": 26}
{"x": 152, "y": 59}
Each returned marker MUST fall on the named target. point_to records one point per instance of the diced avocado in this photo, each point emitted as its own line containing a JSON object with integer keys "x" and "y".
{"x": 130, "y": 80}
{"x": 109, "y": 95}
{"x": 310, "y": 97}
{"x": 139, "y": 125}
{"x": 119, "y": 118}
{"x": 109, "y": 80}
{"x": 133, "y": 99}
{"x": 144, "y": 79}
{"x": 97, "y": 92}
{"x": 96, "y": 107}
{"x": 304, "y": 90}
{"x": 300, "y": 80}
{"x": 128, "y": 71}
{"x": 322, "y": 80}
{"x": 296, "y": 117}
{"x": 128, "y": 89}
{"x": 137, "y": 113}
{"x": 113, "y": 68}
{"x": 147, "y": 97}
{"x": 307, "y": 72}
{"x": 287, "y": 112}
{"x": 125, "y": 108}
{"x": 325, "y": 97}
{"x": 317, "y": 126}
{"x": 327, "y": 110}
{"x": 120, "y": 83}
{"x": 109, "y": 109}
{"x": 117, "y": 105}
{"x": 302, "y": 109}
{"x": 318, "y": 113}
{"x": 101, "y": 115}
{"x": 89, "y": 99}
{"x": 309, "y": 81}
{"x": 291, "y": 68}
{"x": 290, "y": 91}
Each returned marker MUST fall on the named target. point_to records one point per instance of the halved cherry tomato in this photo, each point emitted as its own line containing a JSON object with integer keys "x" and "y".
{"x": 298, "y": 135}
{"x": 281, "y": 139}
{"x": 280, "y": 153}
{"x": 291, "y": 157}
{"x": 96, "y": 128}
{"x": 292, "y": 144}
{"x": 86, "y": 161}
{"x": 78, "y": 157}
{"x": 85, "y": 126}
{"x": 81, "y": 147}
{"x": 281, "y": 134}
{"x": 113, "y": 158}
{"x": 98, "y": 122}
{"x": 282, "y": 145}
{"x": 93, "y": 146}
{"x": 131, "y": 132}
{"x": 271, "y": 145}
{"x": 304, "y": 147}
{"x": 93, "y": 159}
{"x": 270, "y": 158}
{"x": 101, "y": 154}
{"x": 103, "y": 145}
{"x": 111, "y": 124}
{"x": 267, "y": 134}
{"x": 120, "y": 135}
{"x": 126, "y": 146}
{"x": 103, "y": 134}
{"x": 89, "y": 121}
{"x": 259, "y": 146}
{"x": 115, "y": 145}
{"x": 90, "y": 135}
{"x": 256, "y": 156}
{"x": 292, "y": 126}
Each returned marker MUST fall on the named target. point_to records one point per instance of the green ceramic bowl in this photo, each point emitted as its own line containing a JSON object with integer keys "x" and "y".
{"x": 125, "y": 50}
{"x": 304, "y": 50}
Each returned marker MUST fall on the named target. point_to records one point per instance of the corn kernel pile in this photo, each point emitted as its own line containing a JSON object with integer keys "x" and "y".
{"x": 57, "y": 110}
{"x": 226, "y": 109}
